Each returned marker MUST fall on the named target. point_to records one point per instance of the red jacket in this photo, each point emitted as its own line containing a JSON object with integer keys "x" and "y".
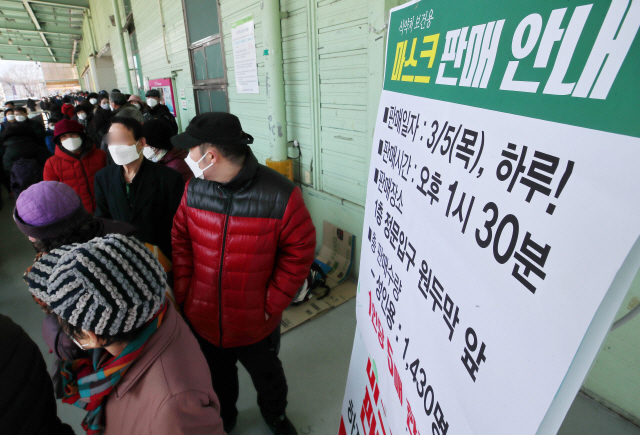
{"x": 175, "y": 160}
{"x": 240, "y": 249}
{"x": 68, "y": 109}
{"x": 77, "y": 171}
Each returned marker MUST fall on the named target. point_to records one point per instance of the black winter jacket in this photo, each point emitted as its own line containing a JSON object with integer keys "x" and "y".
{"x": 27, "y": 405}
{"x": 154, "y": 197}
{"x": 21, "y": 142}
{"x": 163, "y": 113}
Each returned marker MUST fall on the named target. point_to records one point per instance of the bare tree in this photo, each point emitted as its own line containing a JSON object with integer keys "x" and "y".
{"x": 28, "y": 76}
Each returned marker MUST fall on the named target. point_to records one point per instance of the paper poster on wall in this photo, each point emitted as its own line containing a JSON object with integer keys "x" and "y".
{"x": 502, "y": 200}
{"x": 166, "y": 90}
{"x": 244, "y": 56}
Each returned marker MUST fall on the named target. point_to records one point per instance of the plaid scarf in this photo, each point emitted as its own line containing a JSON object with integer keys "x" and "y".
{"x": 88, "y": 381}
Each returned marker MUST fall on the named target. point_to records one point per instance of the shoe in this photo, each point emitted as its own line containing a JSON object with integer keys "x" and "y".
{"x": 282, "y": 426}
{"x": 228, "y": 427}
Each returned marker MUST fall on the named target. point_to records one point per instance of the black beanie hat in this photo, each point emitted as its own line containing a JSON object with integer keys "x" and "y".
{"x": 158, "y": 134}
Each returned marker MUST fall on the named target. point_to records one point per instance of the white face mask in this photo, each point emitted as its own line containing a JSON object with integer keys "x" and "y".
{"x": 11, "y": 117}
{"x": 21, "y": 118}
{"x": 152, "y": 102}
{"x": 93, "y": 100}
{"x": 82, "y": 116}
{"x": 137, "y": 105}
{"x": 124, "y": 154}
{"x": 72, "y": 143}
{"x": 149, "y": 152}
{"x": 105, "y": 106}
{"x": 195, "y": 166}
{"x": 153, "y": 154}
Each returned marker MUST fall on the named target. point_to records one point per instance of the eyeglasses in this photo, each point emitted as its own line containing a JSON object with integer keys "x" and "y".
{"x": 81, "y": 346}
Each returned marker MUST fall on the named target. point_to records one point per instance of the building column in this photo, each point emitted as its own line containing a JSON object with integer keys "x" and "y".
{"x": 274, "y": 82}
{"x": 123, "y": 49}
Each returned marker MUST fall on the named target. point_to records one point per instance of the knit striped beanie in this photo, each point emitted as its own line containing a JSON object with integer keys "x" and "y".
{"x": 108, "y": 285}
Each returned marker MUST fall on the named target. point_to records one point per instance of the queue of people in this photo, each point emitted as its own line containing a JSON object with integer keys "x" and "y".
{"x": 161, "y": 263}
{"x": 92, "y": 110}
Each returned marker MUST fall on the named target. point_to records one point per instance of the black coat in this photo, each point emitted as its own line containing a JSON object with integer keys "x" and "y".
{"x": 158, "y": 192}
{"x": 163, "y": 113}
{"x": 21, "y": 142}
{"x": 27, "y": 404}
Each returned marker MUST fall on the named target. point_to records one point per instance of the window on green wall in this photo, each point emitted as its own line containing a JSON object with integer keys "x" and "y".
{"x": 212, "y": 100}
{"x": 206, "y": 54}
{"x": 201, "y": 17}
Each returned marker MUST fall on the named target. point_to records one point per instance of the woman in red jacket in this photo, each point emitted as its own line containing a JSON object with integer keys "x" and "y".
{"x": 76, "y": 161}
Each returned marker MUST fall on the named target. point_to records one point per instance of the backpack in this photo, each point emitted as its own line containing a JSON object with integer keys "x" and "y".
{"x": 317, "y": 278}
{"x": 25, "y": 173}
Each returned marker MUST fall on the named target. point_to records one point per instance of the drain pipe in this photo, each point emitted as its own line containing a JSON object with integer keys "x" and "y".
{"x": 178, "y": 102}
{"x": 274, "y": 82}
{"x": 73, "y": 52}
{"x": 123, "y": 50}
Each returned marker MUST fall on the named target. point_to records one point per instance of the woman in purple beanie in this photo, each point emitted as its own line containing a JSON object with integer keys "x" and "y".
{"x": 52, "y": 215}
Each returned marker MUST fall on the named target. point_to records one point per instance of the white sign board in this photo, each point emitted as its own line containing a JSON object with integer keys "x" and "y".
{"x": 491, "y": 240}
{"x": 244, "y": 56}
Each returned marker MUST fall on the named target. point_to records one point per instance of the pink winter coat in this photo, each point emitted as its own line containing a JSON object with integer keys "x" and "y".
{"x": 167, "y": 390}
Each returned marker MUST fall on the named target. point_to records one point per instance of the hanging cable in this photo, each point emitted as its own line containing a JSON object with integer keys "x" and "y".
{"x": 296, "y": 144}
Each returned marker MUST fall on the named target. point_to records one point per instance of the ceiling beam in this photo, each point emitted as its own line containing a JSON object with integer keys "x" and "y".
{"x": 72, "y": 4}
{"x": 61, "y": 22}
{"x": 73, "y": 53}
{"x": 66, "y": 19}
{"x": 35, "y": 22}
{"x": 73, "y": 13}
{"x": 10, "y": 9}
{"x": 40, "y": 12}
{"x": 55, "y": 18}
{"x": 27, "y": 6}
{"x": 46, "y": 28}
{"x": 23, "y": 57}
{"x": 40, "y": 57}
{"x": 11, "y": 48}
{"x": 30, "y": 45}
{"x": 41, "y": 51}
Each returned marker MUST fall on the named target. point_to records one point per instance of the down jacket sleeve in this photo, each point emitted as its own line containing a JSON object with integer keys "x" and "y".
{"x": 182, "y": 251}
{"x": 296, "y": 250}
{"x": 50, "y": 173}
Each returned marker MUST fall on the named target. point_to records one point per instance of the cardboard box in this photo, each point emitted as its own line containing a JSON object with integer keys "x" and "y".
{"x": 314, "y": 307}
{"x": 336, "y": 253}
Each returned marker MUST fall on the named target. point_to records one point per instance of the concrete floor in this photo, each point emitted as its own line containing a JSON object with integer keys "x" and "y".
{"x": 315, "y": 358}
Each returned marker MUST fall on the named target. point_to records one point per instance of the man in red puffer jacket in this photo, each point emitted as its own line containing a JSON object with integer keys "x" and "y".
{"x": 76, "y": 161}
{"x": 243, "y": 243}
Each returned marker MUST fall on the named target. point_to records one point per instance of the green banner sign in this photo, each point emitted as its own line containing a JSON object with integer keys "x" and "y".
{"x": 578, "y": 64}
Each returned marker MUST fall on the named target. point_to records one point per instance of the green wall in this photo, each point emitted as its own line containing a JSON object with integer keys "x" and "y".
{"x": 614, "y": 379}
{"x": 155, "y": 64}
